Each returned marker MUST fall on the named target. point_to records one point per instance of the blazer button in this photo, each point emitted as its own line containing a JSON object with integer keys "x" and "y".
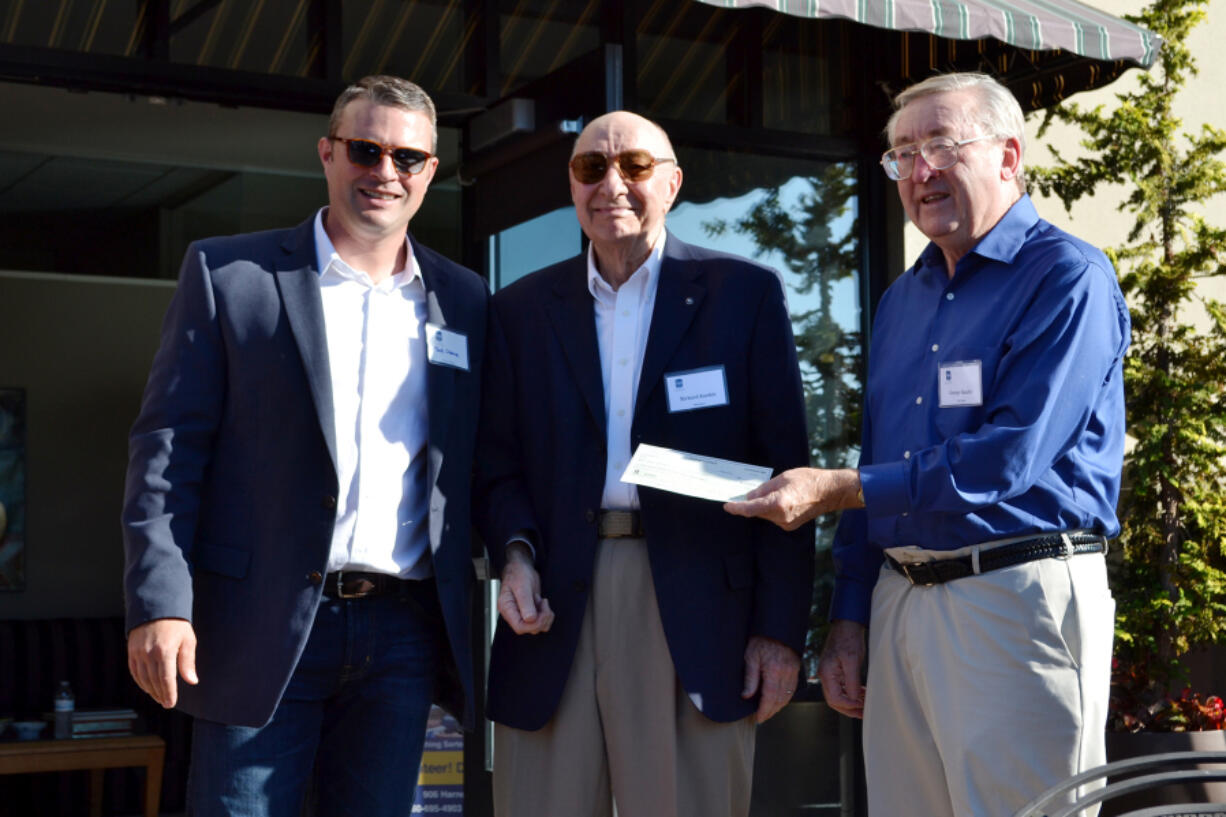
{"x": 329, "y": 503}
{"x": 315, "y": 577}
{"x": 589, "y": 515}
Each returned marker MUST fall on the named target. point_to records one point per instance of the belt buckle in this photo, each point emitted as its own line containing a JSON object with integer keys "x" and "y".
{"x": 921, "y": 573}
{"x": 358, "y": 594}
{"x": 1068, "y": 552}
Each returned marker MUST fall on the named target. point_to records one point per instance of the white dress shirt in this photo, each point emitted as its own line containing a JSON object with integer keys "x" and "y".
{"x": 377, "y": 358}
{"x": 623, "y": 321}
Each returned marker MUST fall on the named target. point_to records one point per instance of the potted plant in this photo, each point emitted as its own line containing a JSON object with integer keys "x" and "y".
{"x": 1168, "y": 573}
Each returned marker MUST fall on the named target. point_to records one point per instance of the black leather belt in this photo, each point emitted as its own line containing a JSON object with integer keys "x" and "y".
{"x": 617, "y": 524}
{"x": 1048, "y": 546}
{"x": 358, "y": 584}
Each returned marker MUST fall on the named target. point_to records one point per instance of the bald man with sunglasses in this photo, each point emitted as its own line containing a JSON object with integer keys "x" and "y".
{"x": 297, "y": 506}
{"x": 643, "y": 634}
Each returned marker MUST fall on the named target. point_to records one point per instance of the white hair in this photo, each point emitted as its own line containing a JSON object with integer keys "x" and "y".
{"x": 998, "y": 112}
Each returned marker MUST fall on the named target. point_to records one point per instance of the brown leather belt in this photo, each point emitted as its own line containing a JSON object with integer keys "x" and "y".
{"x": 359, "y": 584}
{"x": 619, "y": 524}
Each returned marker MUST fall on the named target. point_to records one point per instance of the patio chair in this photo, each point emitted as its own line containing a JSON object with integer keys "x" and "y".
{"x": 1130, "y": 777}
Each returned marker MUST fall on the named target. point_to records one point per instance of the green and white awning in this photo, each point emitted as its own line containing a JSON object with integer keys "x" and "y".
{"x": 1038, "y": 25}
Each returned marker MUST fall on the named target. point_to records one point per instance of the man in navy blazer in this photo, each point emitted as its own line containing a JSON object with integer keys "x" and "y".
{"x": 297, "y": 508}
{"x": 643, "y": 634}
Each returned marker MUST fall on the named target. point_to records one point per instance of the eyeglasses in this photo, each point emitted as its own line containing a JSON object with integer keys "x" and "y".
{"x": 365, "y": 153}
{"x": 632, "y": 165}
{"x": 940, "y": 152}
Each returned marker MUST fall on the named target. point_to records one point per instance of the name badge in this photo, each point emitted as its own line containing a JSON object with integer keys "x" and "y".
{"x": 446, "y": 348}
{"x": 960, "y": 383}
{"x": 696, "y": 389}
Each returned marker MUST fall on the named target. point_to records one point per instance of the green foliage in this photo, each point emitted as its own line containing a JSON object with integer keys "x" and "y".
{"x": 1171, "y": 583}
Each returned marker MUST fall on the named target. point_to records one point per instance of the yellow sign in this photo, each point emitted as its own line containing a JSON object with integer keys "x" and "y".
{"x": 441, "y": 769}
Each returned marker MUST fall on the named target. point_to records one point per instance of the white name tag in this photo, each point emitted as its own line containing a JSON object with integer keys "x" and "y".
{"x": 696, "y": 389}
{"x": 960, "y": 383}
{"x": 446, "y": 348}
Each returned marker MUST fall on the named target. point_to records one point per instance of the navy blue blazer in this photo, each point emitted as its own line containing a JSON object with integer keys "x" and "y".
{"x": 231, "y": 489}
{"x": 719, "y": 579}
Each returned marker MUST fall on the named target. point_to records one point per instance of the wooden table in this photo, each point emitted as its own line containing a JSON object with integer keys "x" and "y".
{"x": 94, "y": 754}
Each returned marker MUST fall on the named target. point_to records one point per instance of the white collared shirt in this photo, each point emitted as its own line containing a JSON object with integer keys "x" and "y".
{"x": 623, "y": 321}
{"x": 377, "y": 358}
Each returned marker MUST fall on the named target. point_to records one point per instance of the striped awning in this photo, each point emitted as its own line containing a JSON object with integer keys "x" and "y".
{"x": 1038, "y": 25}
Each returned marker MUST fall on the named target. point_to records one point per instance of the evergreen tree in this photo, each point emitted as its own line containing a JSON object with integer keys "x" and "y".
{"x": 1169, "y": 586}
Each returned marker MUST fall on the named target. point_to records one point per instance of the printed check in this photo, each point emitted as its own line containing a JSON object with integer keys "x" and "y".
{"x": 693, "y": 474}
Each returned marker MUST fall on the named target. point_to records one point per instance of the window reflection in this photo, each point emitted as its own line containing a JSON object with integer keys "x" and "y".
{"x": 801, "y": 218}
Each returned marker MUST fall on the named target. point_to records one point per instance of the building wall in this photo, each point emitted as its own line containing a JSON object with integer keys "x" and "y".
{"x": 81, "y": 348}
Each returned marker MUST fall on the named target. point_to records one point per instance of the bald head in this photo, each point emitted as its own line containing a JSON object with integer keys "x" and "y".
{"x": 655, "y": 139}
{"x": 623, "y": 210}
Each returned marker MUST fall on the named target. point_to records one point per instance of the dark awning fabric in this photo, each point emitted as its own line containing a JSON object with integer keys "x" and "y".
{"x": 1037, "y": 25}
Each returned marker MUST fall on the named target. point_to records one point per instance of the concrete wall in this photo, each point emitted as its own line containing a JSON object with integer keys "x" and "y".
{"x": 81, "y": 348}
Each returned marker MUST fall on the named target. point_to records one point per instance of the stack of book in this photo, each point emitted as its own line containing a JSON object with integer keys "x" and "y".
{"x": 101, "y": 723}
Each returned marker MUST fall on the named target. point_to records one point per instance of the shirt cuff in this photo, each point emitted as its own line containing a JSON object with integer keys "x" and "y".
{"x": 521, "y": 538}
{"x": 886, "y": 488}
{"x": 852, "y": 600}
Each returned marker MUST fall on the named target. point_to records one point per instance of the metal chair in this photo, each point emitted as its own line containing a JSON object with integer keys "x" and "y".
{"x": 1125, "y": 777}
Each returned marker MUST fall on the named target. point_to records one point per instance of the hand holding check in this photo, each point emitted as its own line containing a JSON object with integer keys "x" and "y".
{"x": 800, "y": 494}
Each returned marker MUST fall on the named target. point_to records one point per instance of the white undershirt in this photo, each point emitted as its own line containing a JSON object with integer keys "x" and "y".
{"x": 377, "y": 357}
{"x": 623, "y": 321}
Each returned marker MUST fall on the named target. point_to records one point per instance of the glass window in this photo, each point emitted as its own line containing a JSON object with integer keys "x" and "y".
{"x": 98, "y": 28}
{"x": 423, "y": 41}
{"x": 684, "y": 71}
{"x": 538, "y": 37}
{"x": 801, "y": 218}
{"x": 534, "y": 244}
{"x": 268, "y": 38}
{"x": 803, "y": 74}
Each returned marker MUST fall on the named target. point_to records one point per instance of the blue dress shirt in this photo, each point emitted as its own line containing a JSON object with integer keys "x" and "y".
{"x": 1042, "y": 313}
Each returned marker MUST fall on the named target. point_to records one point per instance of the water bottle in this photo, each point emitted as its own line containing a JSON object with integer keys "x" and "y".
{"x": 64, "y": 704}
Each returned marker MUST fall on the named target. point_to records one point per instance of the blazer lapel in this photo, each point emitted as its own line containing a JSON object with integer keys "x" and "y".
{"x": 679, "y": 294}
{"x": 574, "y": 320}
{"x": 298, "y": 281}
{"x": 440, "y": 380}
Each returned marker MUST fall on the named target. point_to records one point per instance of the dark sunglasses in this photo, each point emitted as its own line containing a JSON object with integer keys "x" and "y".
{"x": 632, "y": 165}
{"x": 365, "y": 153}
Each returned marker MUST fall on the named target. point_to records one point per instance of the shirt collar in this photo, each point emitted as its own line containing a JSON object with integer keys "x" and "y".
{"x": 650, "y": 268}
{"x": 330, "y": 264}
{"x": 1005, "y": 240}
{"x": 1002, "y": 243}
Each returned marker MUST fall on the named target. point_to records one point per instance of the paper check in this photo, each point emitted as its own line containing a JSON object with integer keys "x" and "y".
{"x": 693, "y": 474}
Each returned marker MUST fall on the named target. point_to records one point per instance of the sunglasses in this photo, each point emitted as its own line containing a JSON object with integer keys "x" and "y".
{"x": 365, "y": 153}
{"x": 632, "y": 165}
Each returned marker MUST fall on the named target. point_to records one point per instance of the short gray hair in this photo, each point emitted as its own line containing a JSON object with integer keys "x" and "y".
{"x": 384, "y": 89}
{"x": 998, "y": 111}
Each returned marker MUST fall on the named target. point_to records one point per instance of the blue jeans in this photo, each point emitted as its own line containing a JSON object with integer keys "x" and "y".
{"x": 349, "y": 728}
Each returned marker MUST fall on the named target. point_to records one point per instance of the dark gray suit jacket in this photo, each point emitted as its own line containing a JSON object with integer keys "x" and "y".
{"x": 231, "y": 488}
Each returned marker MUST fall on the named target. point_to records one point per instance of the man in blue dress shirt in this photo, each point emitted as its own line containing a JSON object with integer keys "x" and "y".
{"x": 990, "y": 464}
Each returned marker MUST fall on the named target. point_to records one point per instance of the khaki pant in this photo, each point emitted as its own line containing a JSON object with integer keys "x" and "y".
{"x": 983, "y": 692}
{"x": 625, "y": 730}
